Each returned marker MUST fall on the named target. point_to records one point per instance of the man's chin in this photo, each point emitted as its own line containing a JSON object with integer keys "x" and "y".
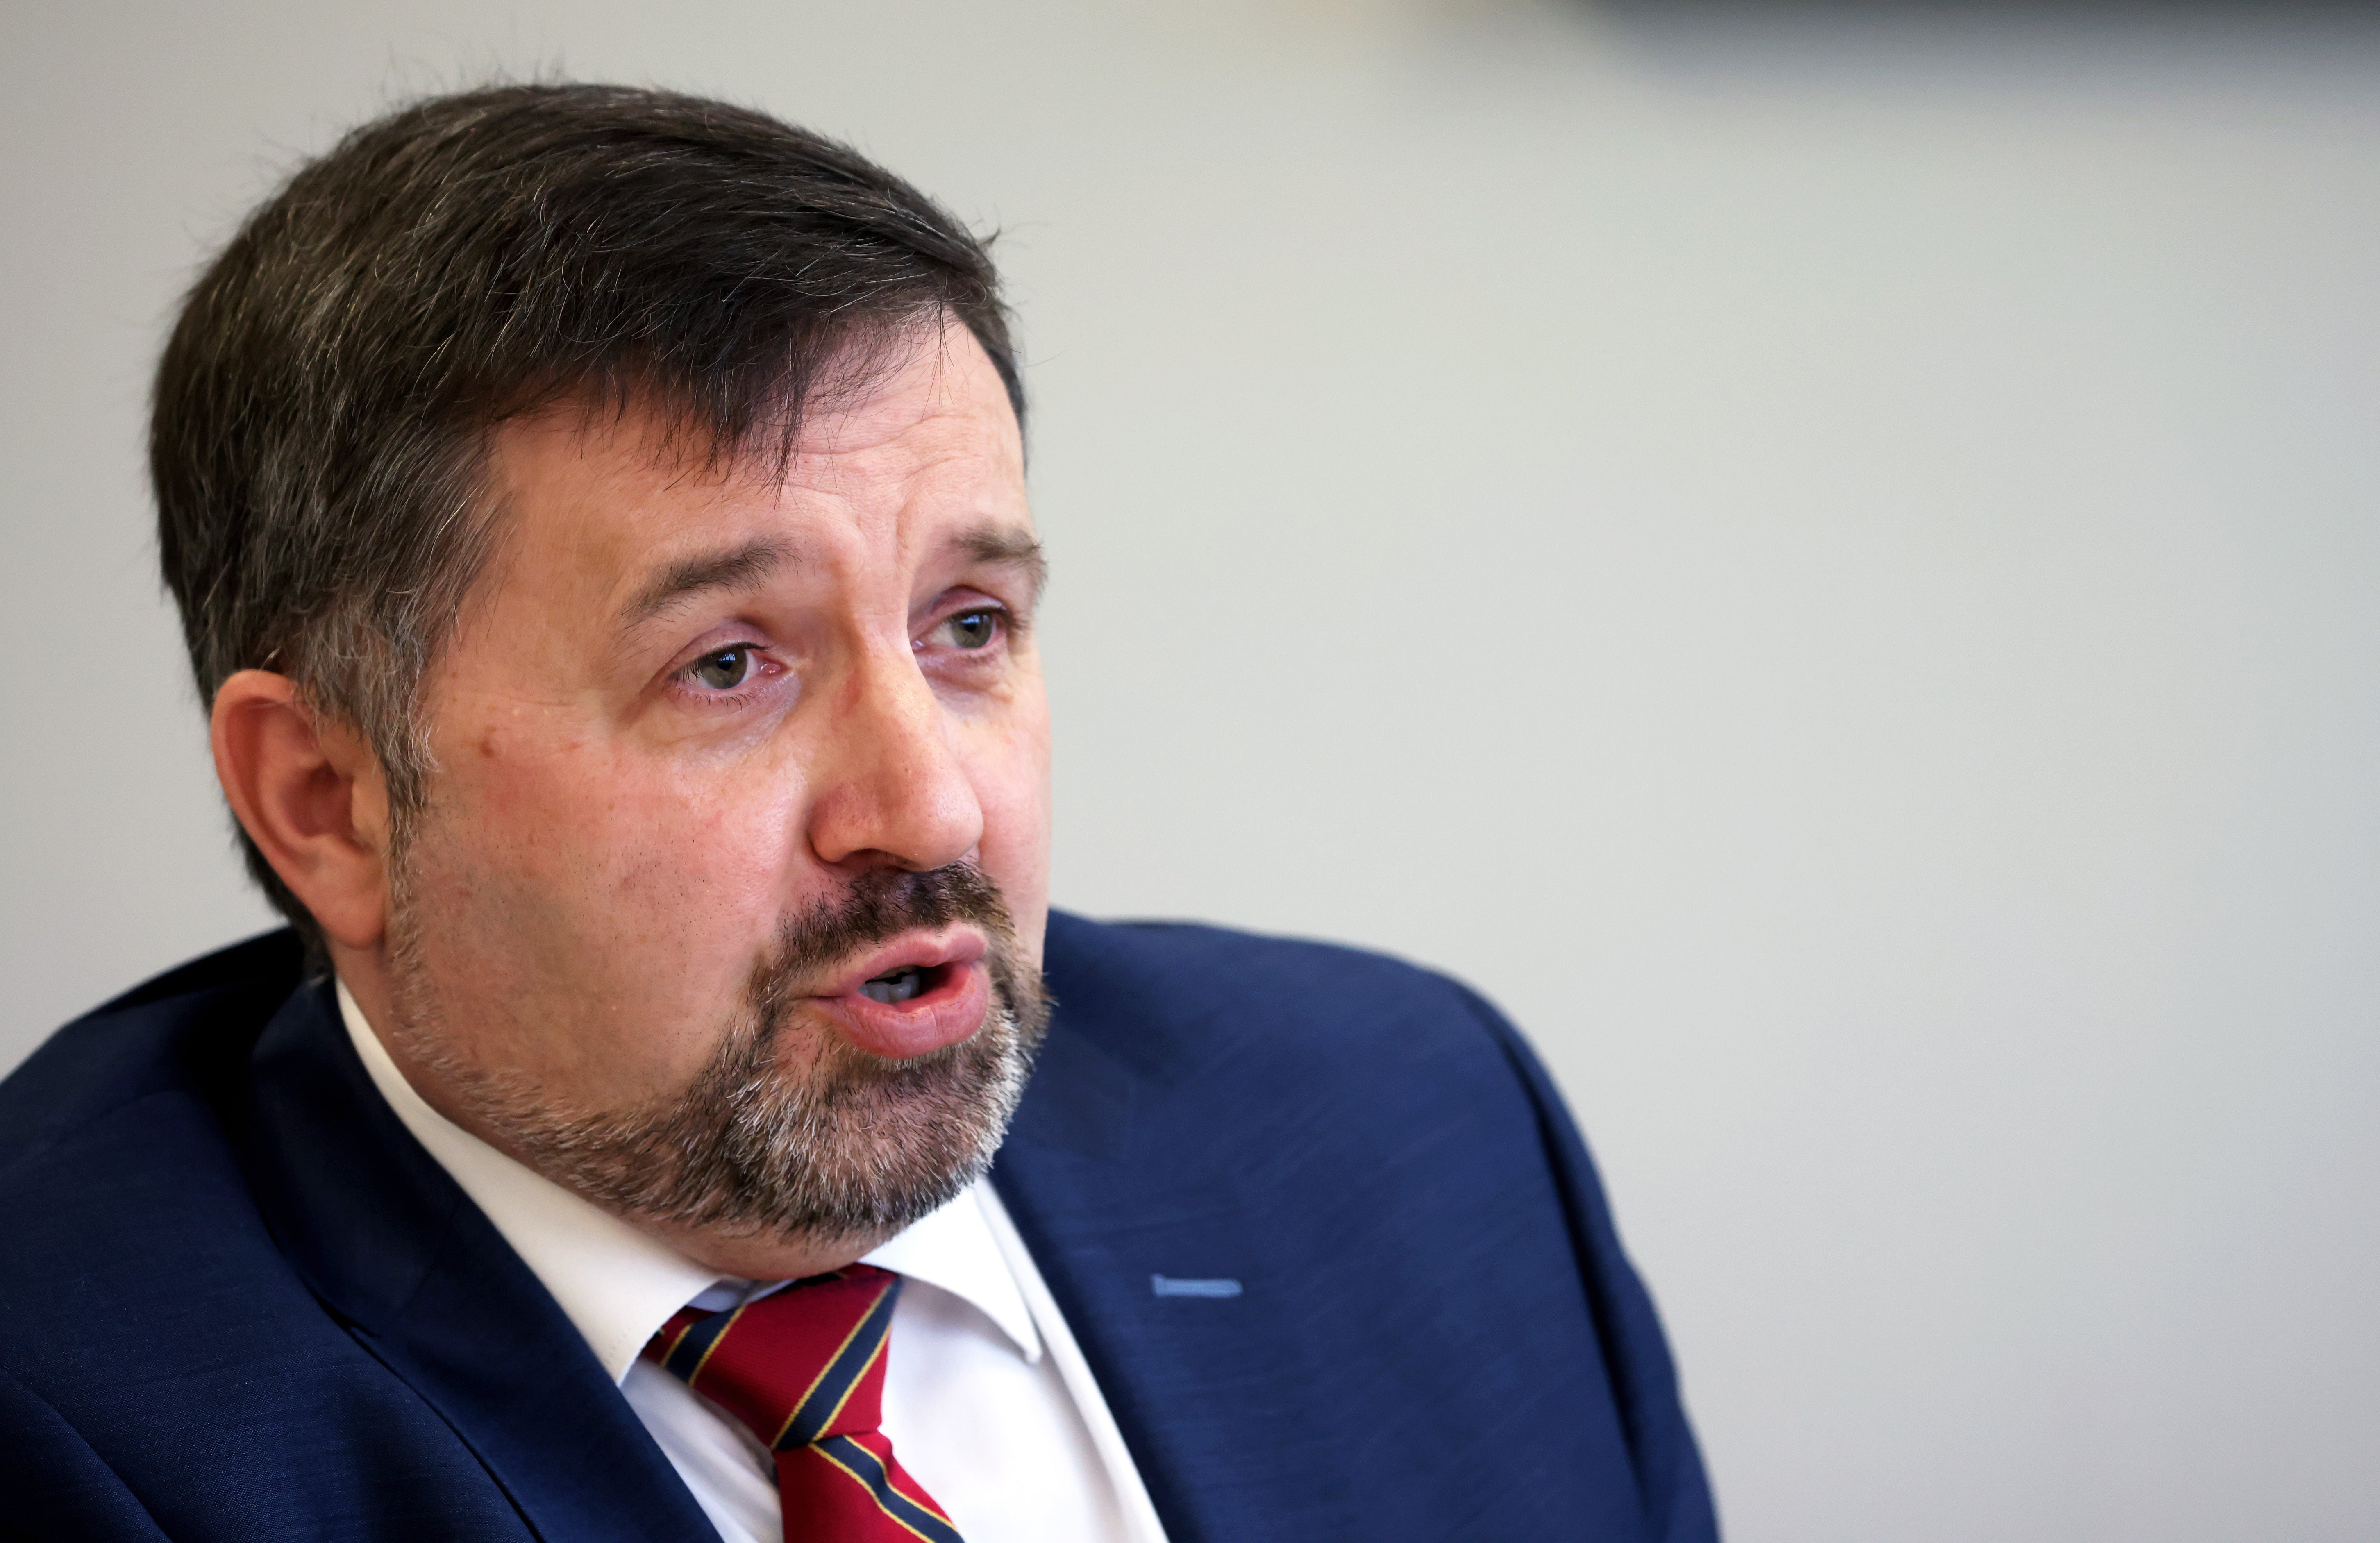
{"x": 763, "y": 1255}
{"x": 795, "y": 1145}
{"x": 755, "y": 1163}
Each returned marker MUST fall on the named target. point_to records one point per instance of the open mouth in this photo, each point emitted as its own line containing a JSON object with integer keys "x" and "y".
{"x": 920, "y": 992}
{"x": 899, "y": 985}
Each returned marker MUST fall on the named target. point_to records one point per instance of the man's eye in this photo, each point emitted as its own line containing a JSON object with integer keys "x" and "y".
{"x": 972, "y": 629}
{"x": 723, "y": 671}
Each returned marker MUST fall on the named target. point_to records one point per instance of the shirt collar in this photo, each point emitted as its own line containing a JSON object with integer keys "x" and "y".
{"x": 618, "y": 1285}
{"x": 953, "y": 1248}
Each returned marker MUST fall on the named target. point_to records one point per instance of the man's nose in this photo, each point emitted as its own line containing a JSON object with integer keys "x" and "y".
{"x": 890, "y": 788}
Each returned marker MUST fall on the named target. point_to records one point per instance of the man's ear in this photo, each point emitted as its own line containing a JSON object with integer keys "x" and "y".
{"x": 311, "y": 796}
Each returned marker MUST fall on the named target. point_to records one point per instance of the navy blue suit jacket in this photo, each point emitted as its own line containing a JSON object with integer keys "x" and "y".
{"x": 238, "y": 1302}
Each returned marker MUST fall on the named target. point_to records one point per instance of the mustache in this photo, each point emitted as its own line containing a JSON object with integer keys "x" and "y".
{"x": 875, "y": 908}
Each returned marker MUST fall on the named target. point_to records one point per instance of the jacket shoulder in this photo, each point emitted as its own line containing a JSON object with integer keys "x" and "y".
{"x": 1231, "y": 1037}
{"x": 185, "y": 1031}
{"x": 1349, "y": 1143}
{"x": 170, "y": 1371}
{"x": 1218, "y": 986}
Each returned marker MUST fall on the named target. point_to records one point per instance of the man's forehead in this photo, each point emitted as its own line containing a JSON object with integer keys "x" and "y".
{"x": 925, "y": 398}
{"x": 935, "y": 388}
{"x": 929, "y": 455}
{"x": 671, "y": 579}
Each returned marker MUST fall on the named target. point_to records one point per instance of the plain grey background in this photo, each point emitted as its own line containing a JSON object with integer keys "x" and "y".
{"x": 1824, "y": 559}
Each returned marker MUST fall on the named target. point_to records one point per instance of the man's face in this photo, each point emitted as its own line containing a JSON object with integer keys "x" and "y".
{"x": 740, "y": 815}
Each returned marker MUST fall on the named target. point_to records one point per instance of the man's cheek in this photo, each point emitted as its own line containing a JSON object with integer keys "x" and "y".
{"x": 1012, "y": 781}
{"x": 701, "y": 859}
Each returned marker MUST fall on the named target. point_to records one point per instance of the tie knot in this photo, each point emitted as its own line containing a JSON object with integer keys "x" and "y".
{"x": 799, "y": 1364}
{"x": 803, "y": 1369}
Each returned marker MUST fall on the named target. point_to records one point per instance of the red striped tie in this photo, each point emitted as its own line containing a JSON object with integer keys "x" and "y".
{"x": 803, "y": 1368}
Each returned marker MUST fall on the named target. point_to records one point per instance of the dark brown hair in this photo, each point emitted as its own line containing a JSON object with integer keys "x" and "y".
{"x": 323, "y": 406}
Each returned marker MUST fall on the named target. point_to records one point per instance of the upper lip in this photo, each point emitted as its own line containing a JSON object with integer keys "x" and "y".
{"x": 925, "y": 951}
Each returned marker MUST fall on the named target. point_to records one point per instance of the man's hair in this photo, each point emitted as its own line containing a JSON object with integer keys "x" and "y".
{"x": 325, "y": 405}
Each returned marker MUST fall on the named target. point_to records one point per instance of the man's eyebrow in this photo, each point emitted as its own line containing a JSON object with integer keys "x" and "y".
{"x": 1006, "y": 547}
{"x": 736, "y": 568}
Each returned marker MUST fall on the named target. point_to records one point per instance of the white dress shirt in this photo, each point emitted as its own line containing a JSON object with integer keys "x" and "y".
{"x": 988, "y": 1402}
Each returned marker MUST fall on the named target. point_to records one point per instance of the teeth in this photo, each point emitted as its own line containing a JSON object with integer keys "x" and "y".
{"x": 895, "y": 985}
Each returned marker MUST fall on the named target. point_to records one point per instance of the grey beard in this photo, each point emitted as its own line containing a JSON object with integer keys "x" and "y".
{"x": 858, "y": 1146}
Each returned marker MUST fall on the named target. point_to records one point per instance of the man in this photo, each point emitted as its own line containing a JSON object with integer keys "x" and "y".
{"x": 599, "y": 526}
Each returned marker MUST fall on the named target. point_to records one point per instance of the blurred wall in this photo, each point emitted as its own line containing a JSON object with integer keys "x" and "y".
{"x": 1825, "y": 560}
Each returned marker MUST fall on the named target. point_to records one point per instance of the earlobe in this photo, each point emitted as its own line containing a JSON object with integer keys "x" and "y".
{"x": 311, "y": 794}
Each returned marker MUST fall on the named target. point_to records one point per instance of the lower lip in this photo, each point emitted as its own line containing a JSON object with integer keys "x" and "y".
{"x": 953, "y": 1008}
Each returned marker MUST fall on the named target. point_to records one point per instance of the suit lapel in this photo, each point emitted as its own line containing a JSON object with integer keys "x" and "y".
{"x": 1105, "y": 1210}
{"x": 427, "y": 1285}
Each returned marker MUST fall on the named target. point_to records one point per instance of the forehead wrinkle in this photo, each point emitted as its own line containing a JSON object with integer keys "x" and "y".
{"x": 909, "y": 505}
{"x": 738, "y": 568}
{"x": 946, "y": 426}
{"x": 925, "y": 450}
